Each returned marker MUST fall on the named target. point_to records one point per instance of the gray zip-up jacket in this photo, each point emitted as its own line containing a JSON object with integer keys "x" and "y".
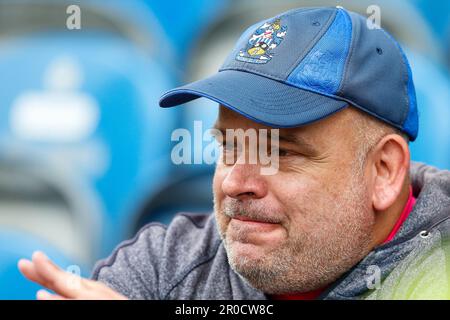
{"x": 187, "y": 259}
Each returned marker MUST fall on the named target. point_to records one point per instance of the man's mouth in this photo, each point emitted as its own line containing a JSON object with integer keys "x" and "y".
{"x": 245, "y": 232}
{"x": 248, "y": 219}
{"x": 251, "y": 224}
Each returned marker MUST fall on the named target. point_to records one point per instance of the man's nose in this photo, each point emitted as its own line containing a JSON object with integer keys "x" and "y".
{"x": 244, "y": 181}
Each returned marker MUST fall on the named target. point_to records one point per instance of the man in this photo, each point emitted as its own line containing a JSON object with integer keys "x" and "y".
{"x": 346, "y": 216}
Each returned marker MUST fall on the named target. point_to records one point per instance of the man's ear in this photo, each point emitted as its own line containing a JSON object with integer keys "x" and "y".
{"x": 390, "y": 167}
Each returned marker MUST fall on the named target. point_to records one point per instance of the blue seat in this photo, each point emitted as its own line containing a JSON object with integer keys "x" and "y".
{"x": 15, "y": 245}
{"x": 128, "y": 141}
{"x": 84, "y": 105}
{"x": 188, "y": 186}
{"x": 183, "y": 27}
{"x": 186, "y": 191}
{"x": 436, "y": 13}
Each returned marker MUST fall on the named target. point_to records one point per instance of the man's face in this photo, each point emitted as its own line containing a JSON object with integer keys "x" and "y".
{"x": 301, "y": 228}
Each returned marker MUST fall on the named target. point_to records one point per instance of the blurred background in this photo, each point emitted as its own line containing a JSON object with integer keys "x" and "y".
{"x": 84, "y": 148}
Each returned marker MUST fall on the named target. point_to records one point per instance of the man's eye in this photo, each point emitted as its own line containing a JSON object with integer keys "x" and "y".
{"x": 283, "y": 153}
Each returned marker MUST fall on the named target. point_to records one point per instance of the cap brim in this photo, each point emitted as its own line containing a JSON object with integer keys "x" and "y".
{"x": 258, "y": 98}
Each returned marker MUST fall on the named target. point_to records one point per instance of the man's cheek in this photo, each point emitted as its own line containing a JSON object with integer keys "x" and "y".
{"x": 219, "y": 197}
{"x": 300, "y": 195}
{"x": 307, "y": 203}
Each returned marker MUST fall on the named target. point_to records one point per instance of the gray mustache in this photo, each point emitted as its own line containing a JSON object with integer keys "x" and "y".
{"x": 235, "y": 209}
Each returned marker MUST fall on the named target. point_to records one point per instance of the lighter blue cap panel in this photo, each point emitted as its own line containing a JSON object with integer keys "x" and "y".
{"x": 321, "y": 70}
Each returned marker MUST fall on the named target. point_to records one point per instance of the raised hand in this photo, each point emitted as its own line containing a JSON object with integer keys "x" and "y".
{"x": 66, "y": 285}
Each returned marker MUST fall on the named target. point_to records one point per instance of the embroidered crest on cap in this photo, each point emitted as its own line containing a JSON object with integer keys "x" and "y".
{"x": 259, "y": 48}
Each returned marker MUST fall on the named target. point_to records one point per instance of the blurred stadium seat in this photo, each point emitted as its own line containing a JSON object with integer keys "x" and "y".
{"x": 184, "y": 22}
{"x": 187, "y": 191}
{"x": 433, "y": 98}
{"x": 437, "y": 14}
{"x": 40, "y": 198}
{"x": 80, "y": 108}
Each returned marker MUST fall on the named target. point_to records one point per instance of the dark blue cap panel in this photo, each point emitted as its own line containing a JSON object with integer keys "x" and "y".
{"x": 411, "y": 123}
{"x": 372, "y": 81}
{"x": 274, "y": 47}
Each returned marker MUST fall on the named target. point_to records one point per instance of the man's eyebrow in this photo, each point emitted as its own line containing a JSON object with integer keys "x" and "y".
{"x": 283, "y": 137}
{"x": 298, "y": 141}
{"x": 291, "y": 138}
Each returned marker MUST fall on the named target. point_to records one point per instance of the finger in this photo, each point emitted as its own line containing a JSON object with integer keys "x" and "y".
{"x": 54, "y": 277}
{"x": 26, "y": 267}
{"x": 45, "y": 295}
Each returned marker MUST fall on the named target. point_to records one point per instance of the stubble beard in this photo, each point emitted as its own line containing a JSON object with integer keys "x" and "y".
{"x": 313, "y": 259}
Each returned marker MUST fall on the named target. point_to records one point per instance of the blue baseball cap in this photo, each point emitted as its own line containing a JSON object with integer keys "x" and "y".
{"x": 306, "y": 64}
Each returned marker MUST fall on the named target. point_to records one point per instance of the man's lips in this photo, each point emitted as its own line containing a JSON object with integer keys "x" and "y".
{"x": 253, "y": 225}
{"x": 245, "y": 230}
{"x": 247, "y": 219}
